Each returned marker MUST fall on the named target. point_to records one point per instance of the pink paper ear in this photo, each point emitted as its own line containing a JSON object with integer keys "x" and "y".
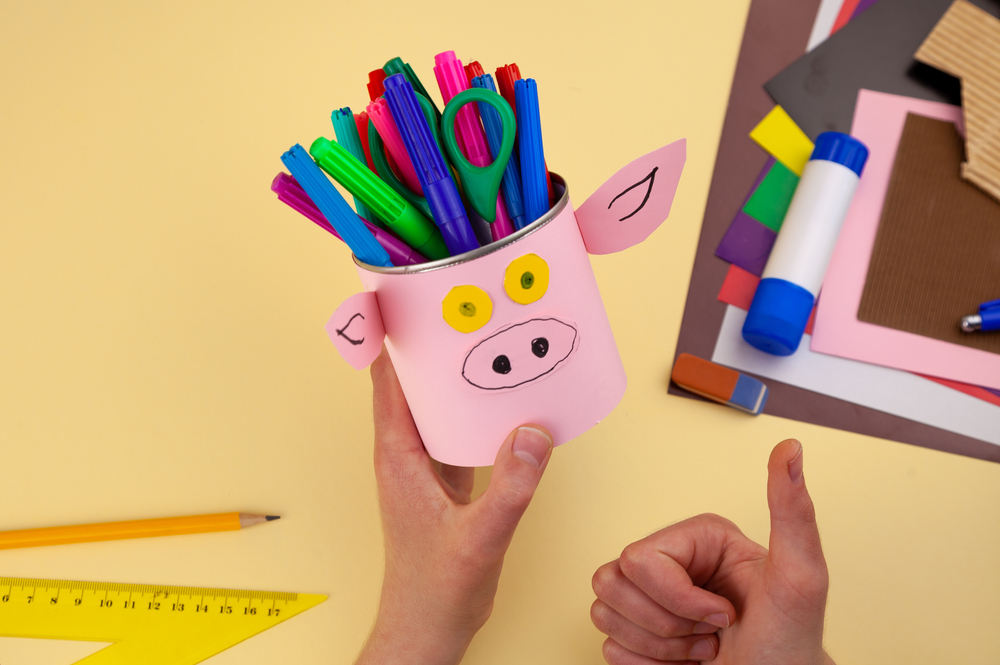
{"x": 356, "y": 329}
{"x": 633, "y": 202}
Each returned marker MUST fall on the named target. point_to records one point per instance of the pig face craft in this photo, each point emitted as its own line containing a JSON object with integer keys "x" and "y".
{"x": 515, "y": 332}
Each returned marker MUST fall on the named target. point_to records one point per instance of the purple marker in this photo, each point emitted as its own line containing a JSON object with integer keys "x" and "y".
{"x": 289, "y": 191}
{"x": 435, "y": 178}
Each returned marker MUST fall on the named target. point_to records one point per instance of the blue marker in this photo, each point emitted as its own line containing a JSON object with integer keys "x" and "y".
{"x": 347, "y": 135}
{"x": 511, "y": 183}
{"x": 333, "y": 206}
{"x": 432, "y": 172}
{"x": 529, "y": 137}
{"x": 986, "y": 320}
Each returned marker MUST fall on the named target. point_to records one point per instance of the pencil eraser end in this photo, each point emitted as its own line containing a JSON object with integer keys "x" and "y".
{"x": 719, "y": 384}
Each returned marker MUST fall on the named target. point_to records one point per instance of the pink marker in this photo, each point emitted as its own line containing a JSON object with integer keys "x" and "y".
{"x": 290, "y": 192}
{"x": 380, "y": 116}
{"x": 452, "y": 80}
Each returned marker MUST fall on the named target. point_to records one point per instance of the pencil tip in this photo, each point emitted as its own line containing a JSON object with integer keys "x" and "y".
{"x": 271, "y": 518}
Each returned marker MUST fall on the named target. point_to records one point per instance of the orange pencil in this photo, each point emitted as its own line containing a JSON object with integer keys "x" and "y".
{"x": 167, "y": 526}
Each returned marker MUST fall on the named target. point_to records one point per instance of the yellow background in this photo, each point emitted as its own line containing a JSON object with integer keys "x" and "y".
{"x": 162, "y": 348}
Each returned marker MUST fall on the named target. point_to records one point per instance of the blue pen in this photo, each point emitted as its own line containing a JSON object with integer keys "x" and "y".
{"x": 986, "y": 320}
{"x": 511, "y": 183}
{"x": 529, "y": 137}
{"x": 333, "y": 206}
{"x": 346, "y": 130}
{"x": 435, "y": 178}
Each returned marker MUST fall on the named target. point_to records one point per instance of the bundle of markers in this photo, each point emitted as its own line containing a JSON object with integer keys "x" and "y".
{"x": 426, "y": 185}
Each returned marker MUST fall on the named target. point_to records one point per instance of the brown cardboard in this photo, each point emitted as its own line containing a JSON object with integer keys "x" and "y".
{"x": 937, "y": 252}
{"x": 966, "y": 43}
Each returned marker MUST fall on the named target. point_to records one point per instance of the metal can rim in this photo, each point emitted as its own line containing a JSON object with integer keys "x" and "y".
{"x": 465, "y": 257}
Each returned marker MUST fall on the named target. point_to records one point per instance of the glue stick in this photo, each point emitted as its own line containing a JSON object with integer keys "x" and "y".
{"x": 794, "y": 272}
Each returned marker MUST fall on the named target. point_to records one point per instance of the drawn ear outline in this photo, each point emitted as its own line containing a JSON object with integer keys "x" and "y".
{"x": 608, "y": 225}
{"x": 356, "y": 329}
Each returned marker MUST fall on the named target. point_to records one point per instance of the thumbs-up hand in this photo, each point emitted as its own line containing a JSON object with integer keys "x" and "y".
{"x": 700, "y": 590}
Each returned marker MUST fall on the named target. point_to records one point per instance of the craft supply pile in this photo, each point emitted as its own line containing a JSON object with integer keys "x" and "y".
{"x": 864, "y": 262}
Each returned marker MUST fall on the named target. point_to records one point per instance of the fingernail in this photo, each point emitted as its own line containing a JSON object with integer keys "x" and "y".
{"x": 703, "y": 628}
{"x": 531, "y": 445}
{"x": 795, "y": 466}
{"x": 704, "y": 650}
{"x": 720, "y": 620}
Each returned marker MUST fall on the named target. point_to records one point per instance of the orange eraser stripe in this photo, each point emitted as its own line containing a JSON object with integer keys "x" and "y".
{"x": 704, "y": 377}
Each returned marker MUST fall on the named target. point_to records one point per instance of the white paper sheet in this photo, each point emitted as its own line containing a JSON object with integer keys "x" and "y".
{"x": 881, "y": 388}
{"x": 825, "y": 18}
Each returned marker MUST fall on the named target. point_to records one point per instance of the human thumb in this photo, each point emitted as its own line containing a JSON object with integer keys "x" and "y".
{"x": 794, "y": 545}
{"x": 519, "y": 465}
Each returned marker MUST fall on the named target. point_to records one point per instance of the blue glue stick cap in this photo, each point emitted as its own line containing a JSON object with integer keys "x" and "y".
{"x": 778, "y": 316}
{"x": 841, "y": 149}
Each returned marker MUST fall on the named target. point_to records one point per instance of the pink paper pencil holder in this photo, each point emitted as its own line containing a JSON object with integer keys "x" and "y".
{"x": 514, "y": 332}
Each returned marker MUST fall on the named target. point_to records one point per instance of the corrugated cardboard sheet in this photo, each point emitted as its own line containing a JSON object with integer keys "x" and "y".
{"x": 937, "y": 253}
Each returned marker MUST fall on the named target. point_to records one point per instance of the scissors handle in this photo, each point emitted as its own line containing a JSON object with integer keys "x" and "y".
{"x": 480, "y": 183}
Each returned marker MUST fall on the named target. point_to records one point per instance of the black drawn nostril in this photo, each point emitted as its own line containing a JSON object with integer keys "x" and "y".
{"x": 540, "y": 346}
{"x": 501, "y": 365}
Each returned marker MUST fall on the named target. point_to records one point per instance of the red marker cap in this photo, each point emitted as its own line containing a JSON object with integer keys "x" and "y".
{"x": 375, "y": 87}
{"x": 472, "y": 70}
{"x": 506, "y": 76}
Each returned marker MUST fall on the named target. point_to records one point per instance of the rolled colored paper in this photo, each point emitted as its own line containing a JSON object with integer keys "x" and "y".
{"x": 326, "y": 197}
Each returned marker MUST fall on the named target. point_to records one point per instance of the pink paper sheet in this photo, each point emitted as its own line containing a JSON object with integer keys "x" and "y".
{"x": 878, "y": 123}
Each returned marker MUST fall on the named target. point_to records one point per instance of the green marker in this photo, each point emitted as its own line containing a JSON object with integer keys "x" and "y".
{"x": 397, "y": 66}
{"x": 347, "y": 135}
{"x": 400, "y": 216}
{"x": 377, "y": 147}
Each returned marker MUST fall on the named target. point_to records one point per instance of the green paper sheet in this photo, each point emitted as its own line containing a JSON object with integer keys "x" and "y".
{"x": 770, "y": 202}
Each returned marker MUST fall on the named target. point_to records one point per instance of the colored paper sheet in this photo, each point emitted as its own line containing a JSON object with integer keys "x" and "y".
{"x": 778, "y": 134}
{"x": 776, "y": 34}
{"x": 822, "y": 28}
{"x": 892, "y": 391}
{"x": 875, "y": 52}
{"x": 747, "y": 244}
{"x": 966, "y": 43}
{"x": 991, "y": 396}
{"x": 938, "y": 243}
{"x": 770, "y": 201}
{"x": 845, "y": 15}
{"x": 862, "y": 6}
{"x": 879, "y": 124}
{"x": 739, "y": 288}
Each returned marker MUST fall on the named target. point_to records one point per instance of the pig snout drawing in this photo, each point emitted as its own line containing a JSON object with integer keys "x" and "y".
{"x": 520, "y": 354}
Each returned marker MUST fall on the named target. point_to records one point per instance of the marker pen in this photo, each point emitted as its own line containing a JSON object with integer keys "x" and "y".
{"x": 794, "y": 272}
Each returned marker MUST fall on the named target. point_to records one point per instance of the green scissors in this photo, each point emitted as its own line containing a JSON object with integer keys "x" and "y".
{"x": 481, "y": 182}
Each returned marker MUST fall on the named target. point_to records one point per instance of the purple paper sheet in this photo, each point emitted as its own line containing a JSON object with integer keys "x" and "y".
{"x": 863, "y": 5}
{"x": 747, "y": 244}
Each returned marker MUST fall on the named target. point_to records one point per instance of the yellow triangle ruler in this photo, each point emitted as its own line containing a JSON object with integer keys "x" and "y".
{"x": 152, "y": 625}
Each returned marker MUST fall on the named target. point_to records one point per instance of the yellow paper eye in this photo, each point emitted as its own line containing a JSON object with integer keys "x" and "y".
{"x": 526, "y": 279}
{"x": 467, "y": 308}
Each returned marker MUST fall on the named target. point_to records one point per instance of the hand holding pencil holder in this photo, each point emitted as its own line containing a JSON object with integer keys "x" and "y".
{"x": 514, "y": 332}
